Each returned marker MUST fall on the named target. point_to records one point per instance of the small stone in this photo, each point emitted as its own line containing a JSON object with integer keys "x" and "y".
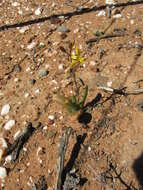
{"x": 28, "y": 69}
{"x": 24, "y": 149}
{"x": 109, "y": 84}
{"x": 38, "y": 11}
{"x": 109, "y": 2}
{"x": 9, "y": 124}
{"x": 15, "y": 4}
{"x": 43, "y": 73}
{"x": 32, "y": 81}
{"x": 117, "y": 16}
{"x": 61, "y": 67}
{"x": 101, "y": 13}
{"x": 3, "y": 173}
{"x": 132, "y": 21}
{"x": 3, "y": 142}
{"x": 17, "y": 68}
{"x": 8, "y": 158}
{"x": 45, "y": 127}
{"x": 63, "y": 29}
{"x": 89, "y": 149}
{"x": 51, "y": 117}
{"x": 31, "y": 45}
{"x": 5, "y": 109}
{"x": 16, "y": 79}
{"x": 23, "y": 29}
{"x": 37, "y": 91}
{"x": 76, "y": 30}
{"x": 93, "y": 63}
{"x": 26, "y": 95}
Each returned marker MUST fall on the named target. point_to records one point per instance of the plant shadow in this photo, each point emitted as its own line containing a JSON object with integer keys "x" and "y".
{"x": 85, "y": 117}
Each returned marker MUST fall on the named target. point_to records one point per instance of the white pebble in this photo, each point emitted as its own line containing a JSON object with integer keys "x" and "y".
{"x": 93, "y": 63}
{"x": 37, "y": 91}
{"x": 76, "y": 30}
{"x": 8, "y": 158}
{"x": 89, "y": 149}
{"x": 20, "y": 12}
{"x": 31, "y": 46}
{"x": 40, "y": 161}
{"x": 38, "y": 11}
{"x": 5, "y": 109}
{"x": 61, "y": 67}
{"x": 28, "y": 69}
{"x": 109, "y": 2}
{"x": 9, "y": 124}
{"x": 26, "y": 95}
{"x": 61, "y": 117}
{"x": 3, "y": 142}
{"x": 51, "y": 117}
{"x": 109, "y": 84}
{"x": 3, "y": 173}
{"x": 15, "y": 4}
{"x": 132, "y": 21}
{"x": 117, "y": 16}
{"x": 23, "y": 29}
{"x": 45, "y": 127}
{"x": 24, "y": 149}
{"x": 101, "y": 13}
{"x": 16, "y": 79}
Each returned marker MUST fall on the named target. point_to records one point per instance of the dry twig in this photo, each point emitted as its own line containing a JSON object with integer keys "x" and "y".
{"x": 121, "y": 91}
{"x": 61, "y": 157}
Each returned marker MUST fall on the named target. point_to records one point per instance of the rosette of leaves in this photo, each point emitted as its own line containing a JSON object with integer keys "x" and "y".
{"x": 73, "y": 104}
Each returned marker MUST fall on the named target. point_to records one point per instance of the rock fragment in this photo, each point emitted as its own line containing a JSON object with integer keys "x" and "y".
{"x": 9, "y": 124}
{"x": 5, "y": 109}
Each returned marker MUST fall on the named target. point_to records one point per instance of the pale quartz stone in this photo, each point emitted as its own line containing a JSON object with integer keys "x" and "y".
{"x": 38, "y": 11}
{"x": 26, "y": 95}
{"x": 51, "y": 117}
{"x": 61, "y": 67}
{"x": 3, "y": 142}
{"x": 9, "y": 124}
{"x": 15, "y": 4}
{"x": 109, "y": 84}
{"x": 5, "y": 109}
{"x": 8, "y": 158}
{"x": 31, "y": 45}
{"x": 117, "y": 16}
{"x": 3, "y": 173}
{"x": 109, "y": 2}
{"x": 23, "y": 29}
{"x": 101, "y": 13}
{"x": 37, "y": 91}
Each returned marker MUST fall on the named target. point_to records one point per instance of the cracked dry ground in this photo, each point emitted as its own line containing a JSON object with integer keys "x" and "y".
{"x": 32, "y": 66}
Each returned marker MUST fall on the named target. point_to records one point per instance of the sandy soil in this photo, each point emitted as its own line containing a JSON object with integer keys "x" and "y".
{"x": 106, "y": 152}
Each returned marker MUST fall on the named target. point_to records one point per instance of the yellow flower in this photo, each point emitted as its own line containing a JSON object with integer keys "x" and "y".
{"x": 76, "y": 58}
